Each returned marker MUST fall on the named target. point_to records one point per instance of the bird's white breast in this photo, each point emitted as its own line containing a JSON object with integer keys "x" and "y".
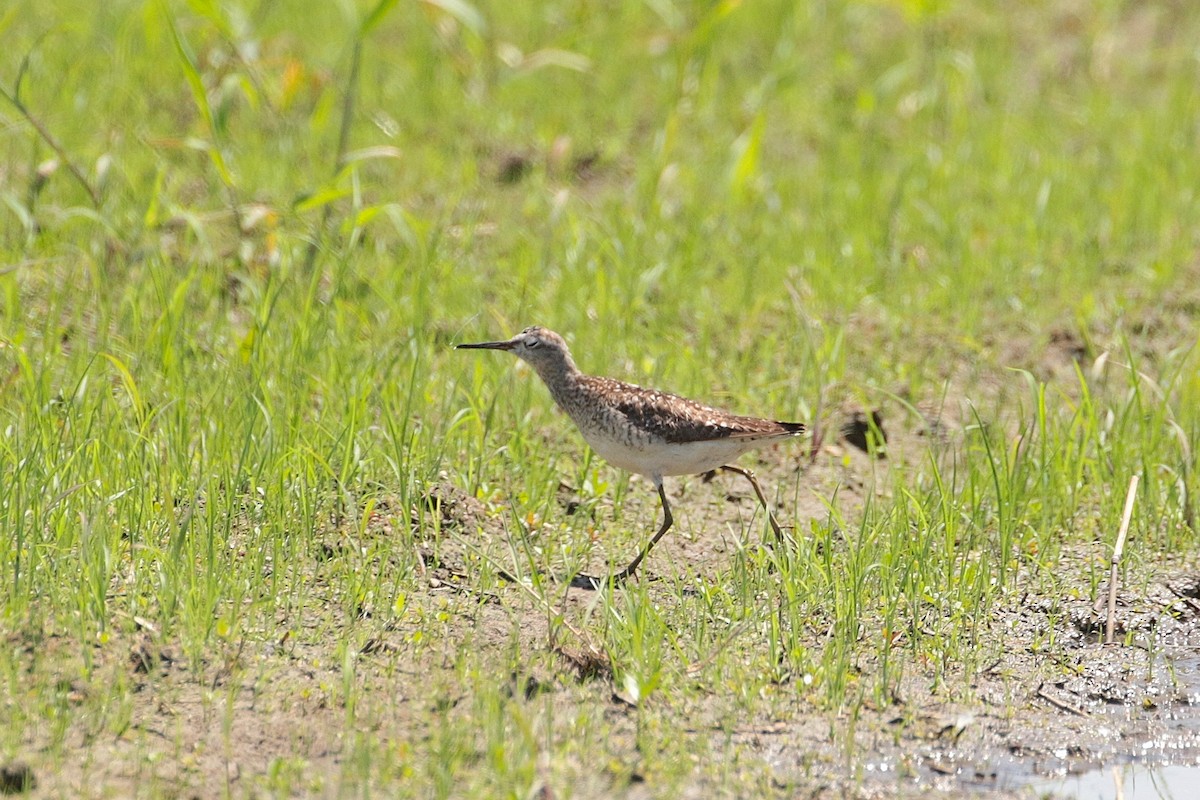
{"x": 664, "y": 458}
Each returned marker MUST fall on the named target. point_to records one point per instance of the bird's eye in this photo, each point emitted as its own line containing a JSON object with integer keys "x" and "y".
{"x": 531, "y": 343}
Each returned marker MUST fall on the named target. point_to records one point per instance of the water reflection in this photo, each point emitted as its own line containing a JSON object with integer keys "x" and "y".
{"x": 1125, "y": 782}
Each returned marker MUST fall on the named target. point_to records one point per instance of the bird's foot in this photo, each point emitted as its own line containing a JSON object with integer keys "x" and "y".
{"x": 592, "y": 583}
{"x": 588, "y": 583}
{"x": 582, "y": 580}
{"x": 783, "y": 544}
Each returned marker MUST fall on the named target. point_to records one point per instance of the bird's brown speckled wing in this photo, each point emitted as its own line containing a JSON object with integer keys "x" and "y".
{"x": 678, "y": 420}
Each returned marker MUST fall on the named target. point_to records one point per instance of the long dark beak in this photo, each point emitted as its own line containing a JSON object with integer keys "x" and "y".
{"x": 508, "y": 345}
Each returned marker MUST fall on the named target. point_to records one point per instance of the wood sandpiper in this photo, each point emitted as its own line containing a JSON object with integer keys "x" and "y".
{"x": 642, "y": 430}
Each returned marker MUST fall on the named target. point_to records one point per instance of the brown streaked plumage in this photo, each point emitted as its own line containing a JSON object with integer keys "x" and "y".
{"x": 643, "y": 430}
{"x": 677, "y": 419}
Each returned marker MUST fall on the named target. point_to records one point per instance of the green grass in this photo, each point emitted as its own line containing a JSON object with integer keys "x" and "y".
{"x": 238, "y": 355}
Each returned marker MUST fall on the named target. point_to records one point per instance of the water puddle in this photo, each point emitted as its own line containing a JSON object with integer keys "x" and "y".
{"x": 1155, "y": 753}
{"x": 1125, "y": 782}
{"x": 1117, "y": 724}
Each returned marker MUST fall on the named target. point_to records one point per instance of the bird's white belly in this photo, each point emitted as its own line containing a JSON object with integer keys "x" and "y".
{"x": 663, "y": 458}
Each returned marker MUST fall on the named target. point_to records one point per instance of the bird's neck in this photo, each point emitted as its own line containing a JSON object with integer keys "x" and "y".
{"x": 562, "y": 379}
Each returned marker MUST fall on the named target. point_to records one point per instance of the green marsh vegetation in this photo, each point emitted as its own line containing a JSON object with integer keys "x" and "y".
{"x": 256, "y": 514}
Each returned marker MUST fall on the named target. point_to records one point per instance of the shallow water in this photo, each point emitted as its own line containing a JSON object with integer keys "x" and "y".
{"x": 1125, "y": 782}
{"x": 1163, "y": 765}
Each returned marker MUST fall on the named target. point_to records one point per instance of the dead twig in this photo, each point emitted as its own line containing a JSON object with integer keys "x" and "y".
{"x": 1109, "y": 624}
{"x": 1061, "y": 704}
{"x": 15, "y": 100}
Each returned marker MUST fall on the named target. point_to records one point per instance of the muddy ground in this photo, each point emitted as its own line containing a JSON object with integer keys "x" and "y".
{"x": 1054, "y": 700}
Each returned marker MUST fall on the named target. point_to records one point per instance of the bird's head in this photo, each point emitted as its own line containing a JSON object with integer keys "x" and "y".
{"x": 542, "y": 348}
